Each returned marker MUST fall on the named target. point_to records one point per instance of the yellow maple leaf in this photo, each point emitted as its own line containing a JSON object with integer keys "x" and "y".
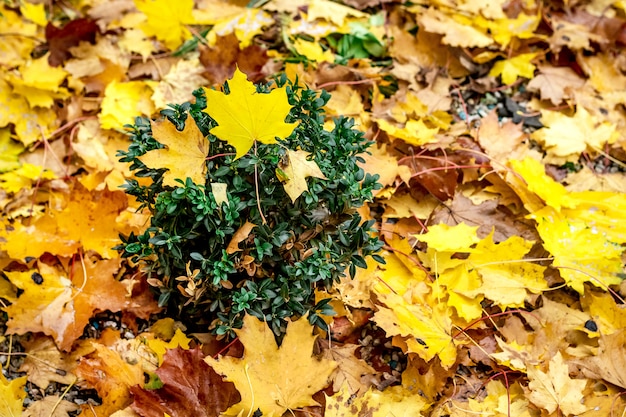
{"x": 30, "y": 123}
{"x": 36, "y": 13}
{"x": 59, "y": 304}
{"x": 270, "y": 378}
{"x": 12, "y": 394}
{"x": 551, "y": 192}
{"x": 506, "y": 276}
{"x": 166, "y": 20}
{"x": 24, "y": 177}
{"x": 580, "y": 250}
{"x": 313, "y": 51}
{"x": 245, "y": 116}
{"x": 298, "y": 169}
{"x": 563, "y": 135}
{"x": 159, "y": 347}
{"x": 122, "y": 102}
{"x": 445, "y": 238}
{"x": 88, "y": 220}
{"x": 15, "y": 49}
{"x": 555, "y": 389}
{"x": 426, "y": 327}
{"x": 512, "y": 68}
{"x": 414, "y": 132}
{"x": 184, "y": 154}
{"x": 39, "y": 83}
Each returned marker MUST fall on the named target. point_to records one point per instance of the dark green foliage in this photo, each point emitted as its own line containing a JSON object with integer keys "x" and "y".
{"x": 304, "y": 245}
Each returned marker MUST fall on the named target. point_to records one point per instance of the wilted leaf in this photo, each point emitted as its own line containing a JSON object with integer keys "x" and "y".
{"x": 261, "y": 375}
{"x": 554, "y": 389}
{"x": 555, "y": 83}
{"x": 297, "y": 169}
{"x": 240, "y": 235}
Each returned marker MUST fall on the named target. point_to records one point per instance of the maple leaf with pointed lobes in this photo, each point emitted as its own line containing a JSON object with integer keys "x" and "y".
{"x": 555, "y": 389}
{"x": 245, "y": 116}
{"x": 184, "y": 155}
{"x": 270, "y": 378}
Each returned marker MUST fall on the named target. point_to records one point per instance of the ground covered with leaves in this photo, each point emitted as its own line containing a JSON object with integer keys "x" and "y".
{"x": 500, "y": 143}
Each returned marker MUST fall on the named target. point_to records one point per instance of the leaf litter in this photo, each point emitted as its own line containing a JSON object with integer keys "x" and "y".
{"x": 501, "y": 208}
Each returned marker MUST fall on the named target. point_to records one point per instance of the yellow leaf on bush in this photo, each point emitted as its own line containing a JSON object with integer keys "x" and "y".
{"x": 270, "y": 378}
{"x": 184, "y": 154}
{"x": 245, "y": 116}
{"x": 298, "y": 169}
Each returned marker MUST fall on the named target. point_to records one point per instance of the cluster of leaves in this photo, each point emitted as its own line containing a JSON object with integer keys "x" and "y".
{"x": 289, "y": 249}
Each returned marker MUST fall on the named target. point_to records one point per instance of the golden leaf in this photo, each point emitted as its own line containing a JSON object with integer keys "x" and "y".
{"x": 271, "y": 378}
{"x": 245, "y": 116}
{"x": 184, "y": 155}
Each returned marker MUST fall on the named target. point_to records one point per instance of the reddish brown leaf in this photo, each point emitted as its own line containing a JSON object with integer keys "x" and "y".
{"x": 434, "y": 177}
{"x": 220, "y": 61}
{"x": 61, "y": 40}
{"x": 192, "y": 388}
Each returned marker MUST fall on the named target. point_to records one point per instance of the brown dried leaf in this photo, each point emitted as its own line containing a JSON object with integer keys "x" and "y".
{"x": 487, "y": 215}
{"x": 192, "y": 388}
{"x": 50, "y": 406}
{"x": 555, "y": 83}
{"x": 240, "y": 235}
{"x": 610, "y": 362}
{"x": 220, "y": 62}
{"x": 351, "y": 371}
{"x": 61, "y": 40}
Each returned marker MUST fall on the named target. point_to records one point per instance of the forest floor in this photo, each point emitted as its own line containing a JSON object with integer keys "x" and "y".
{"x": 499, "y": 135}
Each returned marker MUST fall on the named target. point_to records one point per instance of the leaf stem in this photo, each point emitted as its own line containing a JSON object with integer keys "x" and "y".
{"x": 256, "y": 186}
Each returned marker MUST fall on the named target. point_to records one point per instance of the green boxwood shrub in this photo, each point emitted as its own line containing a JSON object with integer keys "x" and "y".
{"x": 304, "y": 245}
